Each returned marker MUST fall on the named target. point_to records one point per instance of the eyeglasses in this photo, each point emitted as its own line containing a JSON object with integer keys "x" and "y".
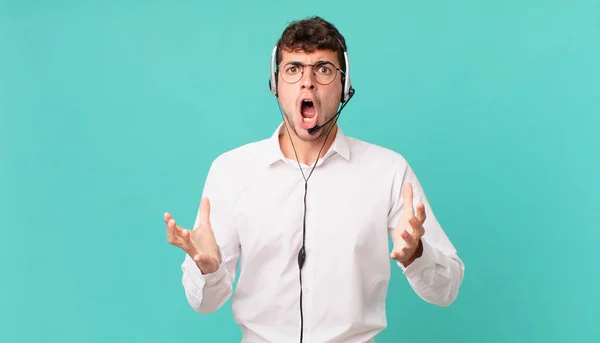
{"x": 324, "y": 72}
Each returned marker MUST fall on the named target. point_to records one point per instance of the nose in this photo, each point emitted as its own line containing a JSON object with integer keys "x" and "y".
{"x": 308, "y": 79}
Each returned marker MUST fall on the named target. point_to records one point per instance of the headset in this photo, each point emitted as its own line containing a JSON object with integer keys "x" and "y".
{"x": 347, "y": 93}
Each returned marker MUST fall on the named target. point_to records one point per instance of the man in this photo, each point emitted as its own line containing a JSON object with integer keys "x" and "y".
{"x": 311, "y": 234}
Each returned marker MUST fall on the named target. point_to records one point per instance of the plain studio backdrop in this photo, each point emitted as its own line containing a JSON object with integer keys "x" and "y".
{"x": 112, "y": 111}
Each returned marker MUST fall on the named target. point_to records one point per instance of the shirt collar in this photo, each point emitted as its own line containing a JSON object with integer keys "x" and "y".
{"x": 340, "y": 145}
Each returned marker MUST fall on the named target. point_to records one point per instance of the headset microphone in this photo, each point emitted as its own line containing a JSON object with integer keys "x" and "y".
{"x": 319, "y": 127}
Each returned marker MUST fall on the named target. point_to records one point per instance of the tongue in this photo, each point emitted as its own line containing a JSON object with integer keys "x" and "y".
{"x": 308, "y": 111}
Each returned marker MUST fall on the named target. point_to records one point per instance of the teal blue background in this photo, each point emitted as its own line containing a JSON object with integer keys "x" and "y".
{"x": 112, "y": 111}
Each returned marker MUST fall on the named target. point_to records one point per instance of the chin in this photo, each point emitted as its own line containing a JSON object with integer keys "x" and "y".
{"x": 304, "y": 135}
{"x": 296, "y": 128}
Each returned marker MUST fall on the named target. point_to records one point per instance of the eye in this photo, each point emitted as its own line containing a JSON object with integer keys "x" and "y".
{"x": 292, "y": 70}
{"x": 324, "y": 69}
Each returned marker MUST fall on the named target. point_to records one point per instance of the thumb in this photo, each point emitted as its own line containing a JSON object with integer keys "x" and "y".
{"x": 205, "y": 211}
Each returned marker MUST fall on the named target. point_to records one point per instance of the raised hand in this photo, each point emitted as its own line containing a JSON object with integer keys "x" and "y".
{"x": 199, "y": 243}
{"x": 409, "y": 230}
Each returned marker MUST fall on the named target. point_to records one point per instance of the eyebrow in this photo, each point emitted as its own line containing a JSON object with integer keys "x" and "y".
{"x": 316, "y": 63}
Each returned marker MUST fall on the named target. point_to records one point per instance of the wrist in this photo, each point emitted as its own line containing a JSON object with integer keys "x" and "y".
{"x": 208, "y": 268}
{"x": 213, "y": 264}
{"x": 418, "y": 253}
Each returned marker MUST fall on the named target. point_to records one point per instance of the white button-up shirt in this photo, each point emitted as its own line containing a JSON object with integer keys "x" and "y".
{"x": 353, "y": 204}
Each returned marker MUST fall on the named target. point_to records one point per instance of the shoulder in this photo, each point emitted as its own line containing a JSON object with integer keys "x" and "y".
{"x": 366, "y": 152}
{"x": 244, "y": 155}
{"x": 235, "y": 168}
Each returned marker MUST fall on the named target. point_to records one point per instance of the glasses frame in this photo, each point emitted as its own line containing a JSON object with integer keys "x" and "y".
{"x": 304, "y": 65}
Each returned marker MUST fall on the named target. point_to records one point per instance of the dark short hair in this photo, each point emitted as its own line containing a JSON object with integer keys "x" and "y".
{"x": 312, "y": 34}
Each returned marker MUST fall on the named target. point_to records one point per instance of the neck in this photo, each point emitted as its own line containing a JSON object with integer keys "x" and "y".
{"x": 306, "y": 150}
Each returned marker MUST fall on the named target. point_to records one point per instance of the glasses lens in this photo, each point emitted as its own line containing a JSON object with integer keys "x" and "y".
{"x": 324, "y": 73}
{"x": 291, "y": 72}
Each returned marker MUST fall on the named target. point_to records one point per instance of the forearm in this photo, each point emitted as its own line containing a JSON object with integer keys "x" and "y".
{"x": 206, "y": 293}
{"x": 435, "y": 276}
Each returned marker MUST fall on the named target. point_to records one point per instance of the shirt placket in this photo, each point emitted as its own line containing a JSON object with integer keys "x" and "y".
{"x": 310, "y": 265}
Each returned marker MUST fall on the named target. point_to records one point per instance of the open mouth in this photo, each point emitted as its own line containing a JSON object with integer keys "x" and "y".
{"x": 309, "y": 113}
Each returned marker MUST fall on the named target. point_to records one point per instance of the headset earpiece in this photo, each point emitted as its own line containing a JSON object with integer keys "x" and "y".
{"x": 347, "y": 92}
{"x": 273, "y": 78}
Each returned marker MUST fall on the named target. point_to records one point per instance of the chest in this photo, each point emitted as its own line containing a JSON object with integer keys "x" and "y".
{"x": 345, "y": 212}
